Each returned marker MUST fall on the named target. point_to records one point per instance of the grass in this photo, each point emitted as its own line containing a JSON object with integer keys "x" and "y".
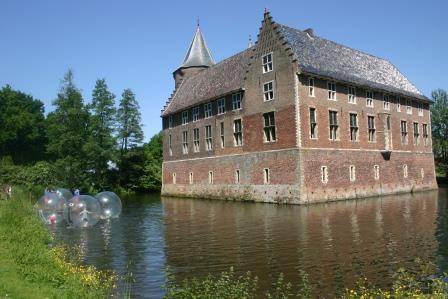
{"x": 31, "y": 268}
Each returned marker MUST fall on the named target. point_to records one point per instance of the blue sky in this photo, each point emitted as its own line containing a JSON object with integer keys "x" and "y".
{"x": 138, "y": 44}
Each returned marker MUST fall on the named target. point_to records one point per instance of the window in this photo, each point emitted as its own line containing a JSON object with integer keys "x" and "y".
{"x": 386, "y": 102}
{"x": 208, "y": 138}
{"x": 405, "y": 171}
{"x": 422, "y": 173}
{"x": 210, "y": 177}
{"x": 425, "y": 134}
{"x": 369, "y": 98}
{"x": 185, "y": 117}
{"x": 371, "y": 127}
{"x": 170, "y": 121}
{"x": 408, "y": 106}
{"x": 221, "y": 127}
{"x": 237, "y": 176}
{"x": 185, "y": 142}
{"x": 221, "y": 106}
{"x": 267, "y": 63}
{"x": 416, "y": 134}
{"x": 196, "y": 113}
{"x": 324, "y": 174}
{"x": 404, "y": 132}
{"x": 236, "y": 101}
{"x": 196, "y": 140}
{"x": 331, "y": 91}
{"x": 269, "y": 127}
{"x": 208, "y": 110}
{"x": 174, "y": 178}
{"x": 398, "y": 104}
{"x": 353, "y": 127}
{"x": 420, "y": 109}
{"x": 311, "y": 87}
{"x": 376, "y": 172}
{"x": 351, "y": 95}
{"x": 237, "y": 132}
{"x": 170, "y": 148}
{"x": 313, "y": 123}
{"x": 266, "y": 176}
{"x": 268, "y": 90}
{"x": 352, "y": 170}
{"x": 190, "y": 178}
{"x": 333, "y": 125}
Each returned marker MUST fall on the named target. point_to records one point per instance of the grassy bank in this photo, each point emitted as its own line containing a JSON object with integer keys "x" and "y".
{"x": 31, "y": 268}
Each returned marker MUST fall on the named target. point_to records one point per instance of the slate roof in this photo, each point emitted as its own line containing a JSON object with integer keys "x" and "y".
{"x": 322, "y": 57}
{"x": 198, "y": 54}
{"x": 219, "y": 79}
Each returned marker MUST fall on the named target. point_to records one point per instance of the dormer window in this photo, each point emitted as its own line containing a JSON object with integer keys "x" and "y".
{"x": 351, "y": 95}
{"x": 311, "y": 87}
{"x": 170, "y": 121}
{"x": 332, "y": 91}
{"x": 369, "y": 98}
{"x": 386, "y": 102}
{"x": 408, "y": 106}
{"x": 208, "y": 110}
{"x": 185, "y": 117}
{"x": 420, "y": 109}
{"x": 268, "y": 90}
{"x": 196, "y": 113}
{"x": 267, "y": 63}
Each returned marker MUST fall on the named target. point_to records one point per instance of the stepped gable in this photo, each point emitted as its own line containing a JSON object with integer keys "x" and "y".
{"x": 325, "y": 58}
{"x": 213, "y": 82}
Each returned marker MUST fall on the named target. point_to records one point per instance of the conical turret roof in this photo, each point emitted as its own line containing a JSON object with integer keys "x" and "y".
{"x": 198, "y": 54}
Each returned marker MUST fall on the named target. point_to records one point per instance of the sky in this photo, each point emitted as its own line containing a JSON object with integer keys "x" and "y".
{"x": 137, "y": 44}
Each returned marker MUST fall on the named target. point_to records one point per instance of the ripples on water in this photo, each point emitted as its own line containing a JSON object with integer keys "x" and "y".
{"x": 335, "y": 242}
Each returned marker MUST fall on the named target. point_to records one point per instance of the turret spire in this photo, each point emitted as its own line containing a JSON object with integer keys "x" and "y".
{"x": 198, "y": 54}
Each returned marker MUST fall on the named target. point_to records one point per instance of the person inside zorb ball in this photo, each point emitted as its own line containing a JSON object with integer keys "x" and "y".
{"x": 82, "y": 211}
{"x": 50, "y": 208}
{"x": 110, "y": 204}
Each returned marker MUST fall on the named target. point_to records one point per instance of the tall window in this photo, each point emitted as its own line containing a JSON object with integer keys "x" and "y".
{"x": 267, "y": 63}
{"x": 236, "y": 101}
{"x": 369, "y": 98}
{"x": 266, "y": 175}
{"x": 408, "y": 106}
{"x": 333, "y": 125}
{"x": 376, "y": 172}
{"x": 324, "y": 174}
{"x": 208, "y": 138}
{"x": 174, "y": 178}
{"x": 371, "y": 127}
{"x": 221, "y": 130}
{"x": 221, "y": 106}
{"x": 210, "y": 177}
{"x": 416, "y": 134}
{"x": 208, "y": 110}
{"x": 196, "y": 140}
{"x": 331, "y": 90}
{"x": 185, "y": 142}
{"x": 170, "y": 121}
{"x": 313, "y": 123}
{"x": 311, "y": 87}
{"x": 398, "y": 104}
{"x": 352, "y": 170}
{"x": 404, "y": 132}
{"x": 425, "y": 134}
{"x": 170, "y": 148}
{"x": 185, "y": 117}
{"x": 237, "y": 176}
{"x": 191, "y": 178}
{"x": 237, "y": 132}
{"x": 196, "y": 113}
{"x": 351, "y": 95}
{"x": 386, "y": 102}
{"x": 354, "y": 127}
{"x": 405, "y": 171}
{"x": 269, "y": 127}
{"x": 268, "y": 91}
{"x": 420, "y": 109}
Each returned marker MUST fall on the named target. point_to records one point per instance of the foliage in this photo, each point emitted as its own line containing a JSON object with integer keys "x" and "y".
{"x": 439, "y": 118}
{"x": 30, "y": 269}
{"x": 152, "y": 176}
{"x": 129, "y": 121}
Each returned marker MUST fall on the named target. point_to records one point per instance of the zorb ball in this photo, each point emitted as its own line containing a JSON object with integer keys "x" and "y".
{"x": 50, "y": 208}
{"x": 82, "y": 211}
{"x": 110, "y": 204}
{"x": 64, "y": 193}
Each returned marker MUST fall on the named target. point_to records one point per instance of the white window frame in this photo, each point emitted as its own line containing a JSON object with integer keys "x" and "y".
{"x": 404, "y": 135}
{"x": 405, "y": 171}
{"x": 208, "y": 138}
{"x": 185, "y": 142}
{"x": 267, "y": 66}
{"x": 266, "y": 176}
{"x": 369, "y": 99}
{"x": 196, "y": 141}
{"x": 386, "y": 102}
{"x": 398, "y": 104}
{"x": 170, "y": 145}
{"x": 420, "y": 109}
{"x": 409, "y": 106}
{"x": 269, "y": 93}
{"x": 237, "y": 100}
{"x": 315, "y": 123}
{"x": 270, "y": 131}
{"x": 416, "y": 133}
{"x": 330, "y": 125}
{"x": 195, "y": 114}
{"x": 235, "y": 133}
{"x": 376, "y": 172}
{"x": 311, "y": 87}
{"x": 221, "y": 106}
{"x": 208, "y": 110}
{"x": 324, "y": 174}
{"x": 184, "y": 117}
{"x": 221, "y": 133}
{"x": 331, "y": 86}
{"x": 351, "y": 94}
{"x": 371, "y": 129}
{"x": 355, "y": 128}
{"x": 425, "y": 134}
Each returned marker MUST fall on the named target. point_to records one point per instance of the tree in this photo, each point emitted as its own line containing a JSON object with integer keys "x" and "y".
{"x": 130, "y": 131}
{"x": 22, "y": 123}
{"x": 152, "y": 177}
{"x": 68, "y": 131}
{"x": 101, "y": 145}
{"x": 439, "y": 117}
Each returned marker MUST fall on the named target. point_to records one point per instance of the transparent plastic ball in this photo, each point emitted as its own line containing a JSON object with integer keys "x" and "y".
{"x": 110, "y": 204}
{"x": 64, "y": 193}
{"x": 82, "y": 211}
{"x": 50, "y": 208}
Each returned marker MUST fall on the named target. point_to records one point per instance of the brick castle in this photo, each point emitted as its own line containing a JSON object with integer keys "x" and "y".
{"x": 294, "y": 118}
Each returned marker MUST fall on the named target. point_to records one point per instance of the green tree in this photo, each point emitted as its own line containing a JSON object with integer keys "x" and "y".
{"x": 22, "y": 126}
{"x": 152, "y": 177}
{"x": 130, "y": 132}
{"x": 439, "y": 117}
{"x": 101, "y": 146}
{"x": 68, "y": 131}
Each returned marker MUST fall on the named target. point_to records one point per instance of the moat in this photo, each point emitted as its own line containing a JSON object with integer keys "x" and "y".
{"x": 335, "y": 242}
